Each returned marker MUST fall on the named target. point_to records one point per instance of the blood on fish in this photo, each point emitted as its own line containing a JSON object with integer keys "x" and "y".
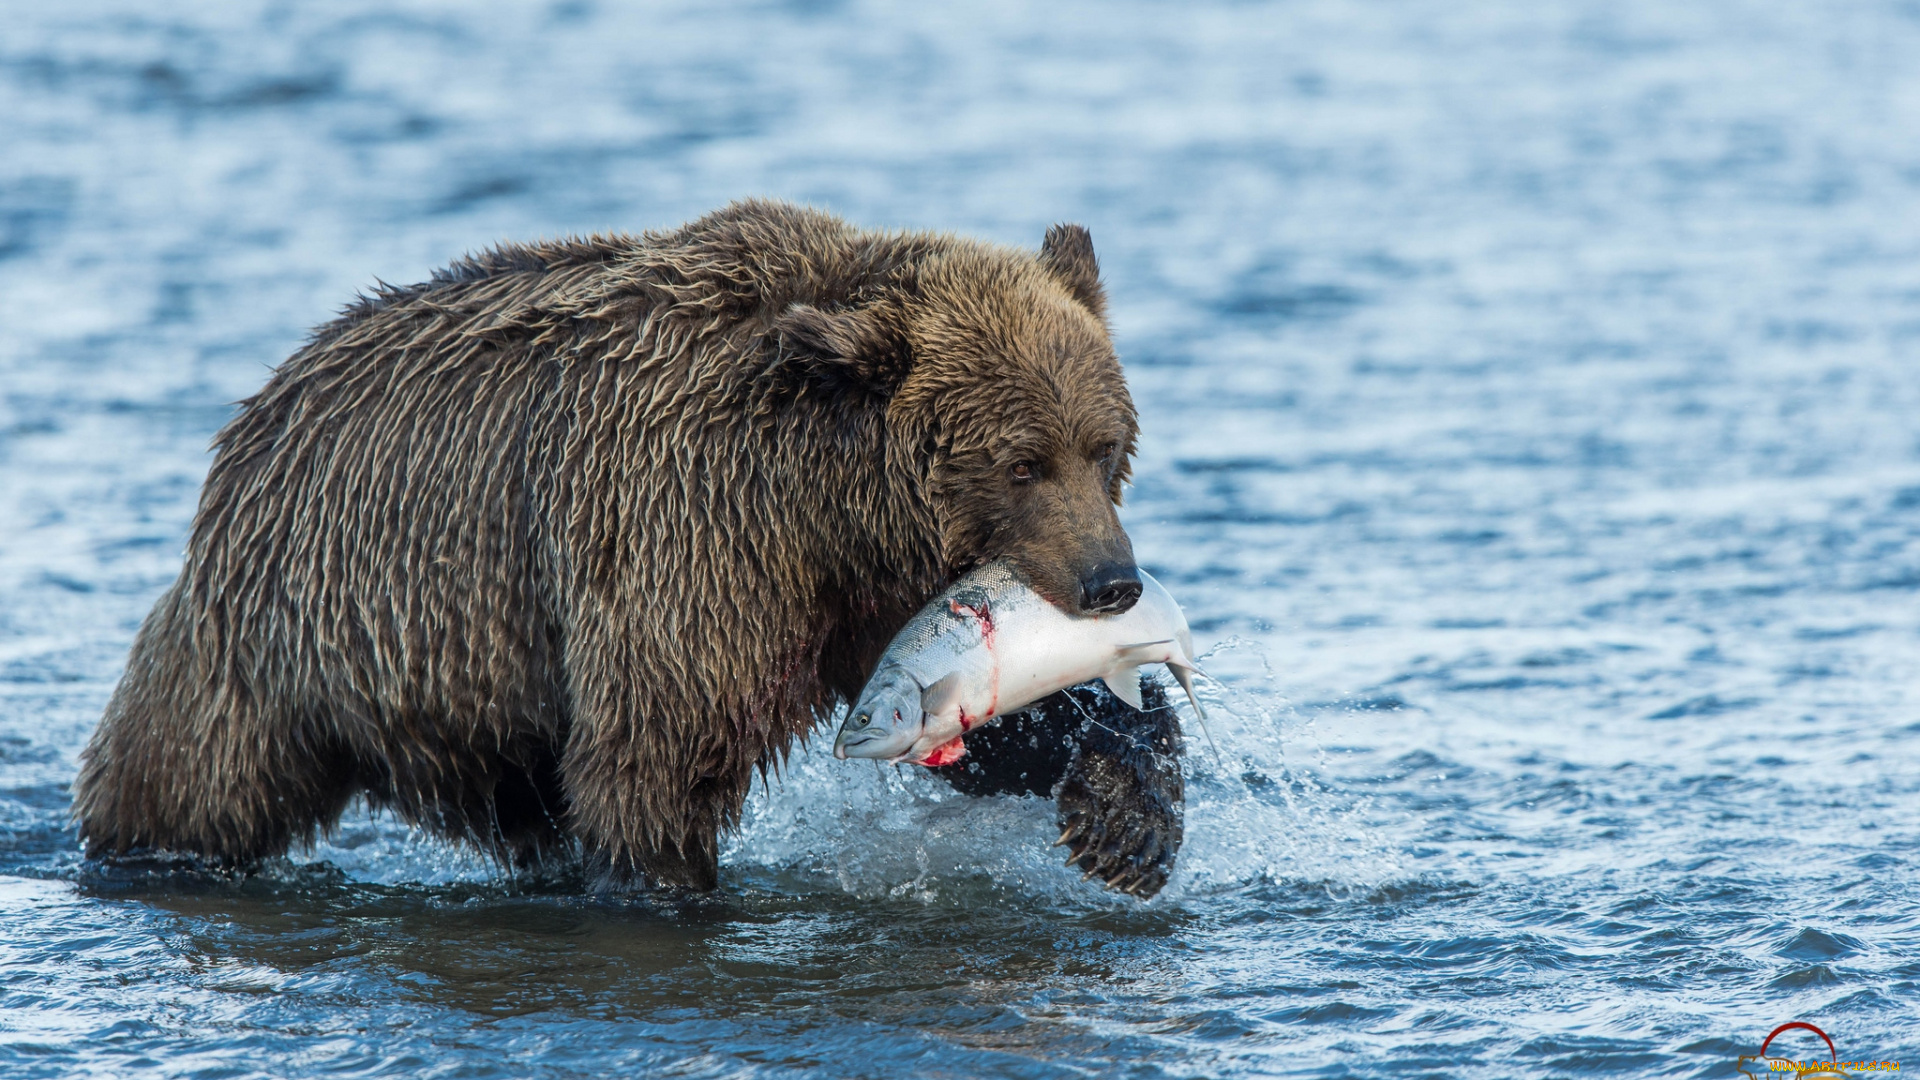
{"x": 946, "y": 753}
{"x": 982, "y": 614}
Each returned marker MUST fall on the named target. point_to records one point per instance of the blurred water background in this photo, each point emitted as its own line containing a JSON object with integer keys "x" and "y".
{"x": 1529, "y": 394}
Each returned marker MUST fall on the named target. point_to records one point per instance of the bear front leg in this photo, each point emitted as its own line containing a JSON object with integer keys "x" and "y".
{"x": 1114, "y": 771}
{"x": 648, "y": 793}
{"x": 1122, "y": 799}
{"x": 691, "y": 865}
{"x": 673, "y": 841}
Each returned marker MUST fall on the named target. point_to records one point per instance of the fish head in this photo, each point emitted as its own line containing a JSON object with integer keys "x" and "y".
{"x": 885, "y": 722}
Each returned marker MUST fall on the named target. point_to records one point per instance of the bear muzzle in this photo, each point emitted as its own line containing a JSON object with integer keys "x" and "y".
{"x": 1110, "y": 588}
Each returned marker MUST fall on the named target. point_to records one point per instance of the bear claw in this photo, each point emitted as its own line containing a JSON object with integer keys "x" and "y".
{"x": 1120, "y": 807}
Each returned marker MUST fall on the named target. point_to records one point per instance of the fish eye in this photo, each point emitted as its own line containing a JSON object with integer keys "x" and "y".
{"x": 863, "y": 720}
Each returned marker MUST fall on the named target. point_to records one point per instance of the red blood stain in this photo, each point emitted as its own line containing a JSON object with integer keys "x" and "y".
{"x": 982, "y": 614}
{"x": 967, "y": 722}
{"x": 946, "y": 753}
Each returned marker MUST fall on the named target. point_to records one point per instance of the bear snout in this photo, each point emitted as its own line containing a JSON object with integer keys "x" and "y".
{"x": 1110, "y": 588}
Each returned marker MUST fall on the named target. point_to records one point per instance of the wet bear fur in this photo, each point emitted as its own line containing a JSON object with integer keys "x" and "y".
{"x": 554, "y": 552}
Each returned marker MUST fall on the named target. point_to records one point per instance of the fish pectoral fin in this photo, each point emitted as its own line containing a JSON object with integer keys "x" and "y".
{"x": 943, "y": 693}
{"x": 1125, "y": 681}
{"x": 1125, "y": 684}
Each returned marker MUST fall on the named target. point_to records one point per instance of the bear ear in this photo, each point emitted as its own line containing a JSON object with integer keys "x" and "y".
{"x": 858, "y": 348}
{"x": 1067, "y": 253}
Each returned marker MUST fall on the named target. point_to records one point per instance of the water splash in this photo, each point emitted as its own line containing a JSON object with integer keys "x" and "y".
{"x": 373, "y": 846}
{"x": 1260, "y": 813}
{"x": 1271, "y": 812}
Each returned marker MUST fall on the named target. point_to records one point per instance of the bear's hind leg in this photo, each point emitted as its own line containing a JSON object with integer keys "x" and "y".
{"x": 191, "y": 774}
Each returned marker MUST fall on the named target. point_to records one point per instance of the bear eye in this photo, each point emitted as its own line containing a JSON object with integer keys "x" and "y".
{"x": 1024, "y": 472}
{"x": 1105, "y": 453}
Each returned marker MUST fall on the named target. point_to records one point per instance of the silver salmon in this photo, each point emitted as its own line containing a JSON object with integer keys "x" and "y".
{"x": 989, "y": 646}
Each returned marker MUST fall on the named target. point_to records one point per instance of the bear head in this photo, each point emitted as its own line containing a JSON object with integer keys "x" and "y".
{"x": 1005, "y": 405}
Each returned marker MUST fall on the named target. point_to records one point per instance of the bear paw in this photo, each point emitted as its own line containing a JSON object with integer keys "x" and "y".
{"x": 1120, "y": 812}
{"x": 1112, "y": 769}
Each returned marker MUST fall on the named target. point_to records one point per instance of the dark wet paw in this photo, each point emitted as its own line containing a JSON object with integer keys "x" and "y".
{"x": 1120, "y": 801}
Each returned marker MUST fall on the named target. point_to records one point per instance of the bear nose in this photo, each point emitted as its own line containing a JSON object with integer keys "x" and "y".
{"x": 1110, "y": 589}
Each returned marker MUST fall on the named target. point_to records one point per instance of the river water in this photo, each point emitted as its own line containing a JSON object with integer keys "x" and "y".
{"x": 1530, "y": 401}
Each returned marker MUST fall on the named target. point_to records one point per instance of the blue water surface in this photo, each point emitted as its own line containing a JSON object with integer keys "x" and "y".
{"x": 1531, "y": 407}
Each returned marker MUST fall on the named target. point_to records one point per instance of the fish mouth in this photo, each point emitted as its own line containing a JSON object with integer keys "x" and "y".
{"x": 849, "y": 740}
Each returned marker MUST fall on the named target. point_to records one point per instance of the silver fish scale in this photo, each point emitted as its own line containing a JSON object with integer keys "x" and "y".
{"x": 982, "y": 590}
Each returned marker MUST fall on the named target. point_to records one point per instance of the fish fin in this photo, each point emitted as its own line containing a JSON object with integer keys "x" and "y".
{"x": 1125, "y": 685}
{"x": 1125, "y": 649}
{"x": 944, "y": 692}
{"x": 1183, "y": 673}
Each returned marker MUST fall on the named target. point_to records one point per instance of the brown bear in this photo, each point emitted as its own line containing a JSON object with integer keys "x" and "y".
{"x": 554, "y": 551}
